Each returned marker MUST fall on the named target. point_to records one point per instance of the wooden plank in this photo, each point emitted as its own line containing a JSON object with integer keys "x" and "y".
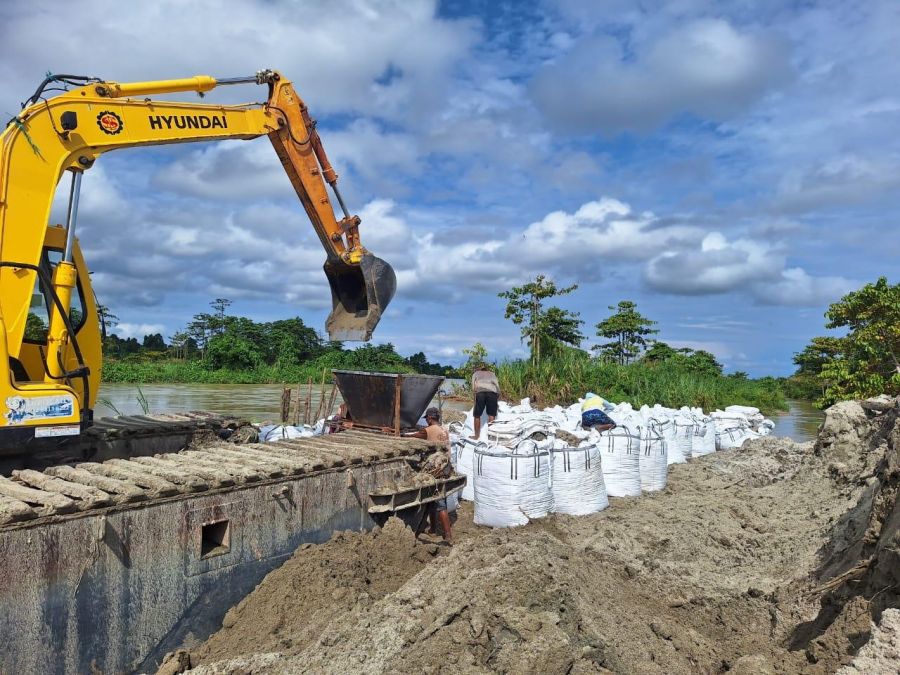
{"x": 87, "y": 497}
{"x": 158, "y": 486}
{"x": 121, "y": 491}
{"x": 213, "y": 477}
{"x": 188, "y": 482}
{"x": 54, "y": 503}
{"x": 13, "y": 510}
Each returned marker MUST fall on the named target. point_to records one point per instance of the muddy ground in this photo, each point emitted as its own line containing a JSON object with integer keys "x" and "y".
{"x": 771, "y": 559}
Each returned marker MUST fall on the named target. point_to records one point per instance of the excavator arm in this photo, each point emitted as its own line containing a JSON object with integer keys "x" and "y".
{"x": 67, "y": 133}
{"x": 70, "y": 131}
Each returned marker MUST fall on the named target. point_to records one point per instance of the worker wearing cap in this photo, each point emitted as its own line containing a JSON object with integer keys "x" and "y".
{"x": 486, "y": 388}
{"x": 593, "y": 415}
{"x": 437, "y": 465}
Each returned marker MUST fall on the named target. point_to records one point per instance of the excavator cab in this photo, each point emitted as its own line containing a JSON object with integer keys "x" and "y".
{"x": 359, "y": 295}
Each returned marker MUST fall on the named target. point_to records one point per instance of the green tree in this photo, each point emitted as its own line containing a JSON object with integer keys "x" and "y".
{"x": 659, "y": 352}
{"x": 219, "y": 306}
{"x": 817, "y": 353}
{"x": 628, "y": 330}
{"x": 154, "y": 343}
{"x": 232, "y": 351}
{"x": 475, "y": 356}
{"x": 868, "y": 361}
{"x": 701, "y": 361}
{"x": 35, "y": 328}
{"x": 525, "y": 308}
{"x": 178, "y": 344}
{"x": 288, "y": 342}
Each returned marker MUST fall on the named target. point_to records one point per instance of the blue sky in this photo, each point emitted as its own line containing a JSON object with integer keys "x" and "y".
{"x": 732, "y": 167}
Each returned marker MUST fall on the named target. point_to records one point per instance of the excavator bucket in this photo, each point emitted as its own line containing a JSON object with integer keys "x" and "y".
{"x": 359, "y": 296}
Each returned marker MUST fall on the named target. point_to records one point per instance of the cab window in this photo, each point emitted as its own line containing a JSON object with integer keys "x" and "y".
{"x": 38, "y": 321}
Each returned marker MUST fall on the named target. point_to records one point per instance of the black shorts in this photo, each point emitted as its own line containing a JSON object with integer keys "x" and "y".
{"x": 486, "y": 399}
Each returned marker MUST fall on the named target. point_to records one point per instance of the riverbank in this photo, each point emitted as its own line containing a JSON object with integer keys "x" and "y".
{"x": 770, "y": 559}
{"x": 177, "y": 371}
{"x": 555, "y": 381}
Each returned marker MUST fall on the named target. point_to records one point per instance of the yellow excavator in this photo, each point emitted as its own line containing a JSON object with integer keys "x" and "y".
{"x": 50, "y": 330}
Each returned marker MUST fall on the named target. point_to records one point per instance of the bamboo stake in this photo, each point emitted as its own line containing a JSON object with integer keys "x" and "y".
{"x": 285, "y": 405}
{"x": 321, "y": 397}
{"x": 308, "y": 400}
{"x": 331, "y": 399}
{"x": 297, "y": 406}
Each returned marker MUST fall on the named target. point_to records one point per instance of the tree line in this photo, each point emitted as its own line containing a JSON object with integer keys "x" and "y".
{"x": 222, "y": 341}
{"x": 627, "y": 335}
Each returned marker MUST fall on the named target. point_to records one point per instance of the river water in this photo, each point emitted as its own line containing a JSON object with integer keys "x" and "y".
{"x": 260, "y": 402}
{"x": 800, "y": 423}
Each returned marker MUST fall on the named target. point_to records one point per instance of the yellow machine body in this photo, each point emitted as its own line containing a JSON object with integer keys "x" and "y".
{"x": 49, "y": 326}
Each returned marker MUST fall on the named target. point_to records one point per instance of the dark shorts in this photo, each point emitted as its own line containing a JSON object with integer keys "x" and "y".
{"x": 486, "y": 399}
{"x": 592, "y": 418}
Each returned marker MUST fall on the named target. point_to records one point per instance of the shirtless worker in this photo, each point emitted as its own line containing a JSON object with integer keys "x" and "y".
{"x": 486, "y": 388}
{"x": 438, "y": 465}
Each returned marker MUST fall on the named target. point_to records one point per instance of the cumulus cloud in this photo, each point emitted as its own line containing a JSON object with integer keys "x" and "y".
{"x": 584, "y": 246}
{"x": 138, "y": 330}
{"x": 318, "y": 45}
{"x": 753, "y": 268}
{"x": 706, "y": 67}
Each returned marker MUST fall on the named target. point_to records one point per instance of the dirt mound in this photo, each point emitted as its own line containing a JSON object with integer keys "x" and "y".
{"x": 723, "y": 571}
{"x": 290, "y": 608}
{"x": 882, "y": 653}
{"x": 860, "y": 574}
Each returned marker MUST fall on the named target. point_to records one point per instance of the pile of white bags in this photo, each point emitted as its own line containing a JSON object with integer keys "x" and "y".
{"x": 652, "y": 462}
{"x": 511, "y": 488}
{"x": 520, "y": 470}
{"x": 619, "y": 461}
{"x": 576, "y": 481}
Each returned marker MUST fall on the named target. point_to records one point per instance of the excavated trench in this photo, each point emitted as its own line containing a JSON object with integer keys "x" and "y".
{"x": 776, "y": 558}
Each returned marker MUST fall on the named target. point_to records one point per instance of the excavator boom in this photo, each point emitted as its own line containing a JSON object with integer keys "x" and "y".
{"x": 53, "y": 380}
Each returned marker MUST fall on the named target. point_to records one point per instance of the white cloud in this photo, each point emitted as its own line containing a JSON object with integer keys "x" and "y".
{"x": 754, "y": 268}
{"x": 137, "y": 330}
{"x": 706, "y": 67}
{"x": 335, "y": 52}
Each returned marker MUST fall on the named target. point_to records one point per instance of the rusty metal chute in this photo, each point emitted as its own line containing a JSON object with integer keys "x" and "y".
{"x": 381, "y": 400}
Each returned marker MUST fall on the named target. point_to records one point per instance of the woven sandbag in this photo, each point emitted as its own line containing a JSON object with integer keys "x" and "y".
{"x": 619, "y": 451}
{"x": 511, "y": 487}
{"x": 576, "y": 481}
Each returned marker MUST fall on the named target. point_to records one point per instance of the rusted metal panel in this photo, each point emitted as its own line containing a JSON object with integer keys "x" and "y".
{"x": 112, "y": 590}
{"x": 373, "y": 397}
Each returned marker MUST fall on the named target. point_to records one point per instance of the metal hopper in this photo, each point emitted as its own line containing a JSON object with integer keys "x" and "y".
{"x": 381, "y": 400}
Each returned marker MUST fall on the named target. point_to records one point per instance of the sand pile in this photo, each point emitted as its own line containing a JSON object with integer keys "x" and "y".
{"x": 770, "y": 559}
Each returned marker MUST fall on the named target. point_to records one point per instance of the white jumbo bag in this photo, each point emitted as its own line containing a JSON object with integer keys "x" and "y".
{"x": 682, "y": 444}
{"x": 665, "y": 427}
{"x": 652, "y": 463}
{"x": 462, "y": 457}
{"x": 620, "y": 462}
{"x": 511, "y": 487}
{"x": 704, "y": 441}
{"x": 735, "y": 437}
{"x": 576, "y": 481}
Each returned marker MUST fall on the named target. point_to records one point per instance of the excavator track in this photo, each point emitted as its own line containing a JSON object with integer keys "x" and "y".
{"x": 115, "y": 438}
